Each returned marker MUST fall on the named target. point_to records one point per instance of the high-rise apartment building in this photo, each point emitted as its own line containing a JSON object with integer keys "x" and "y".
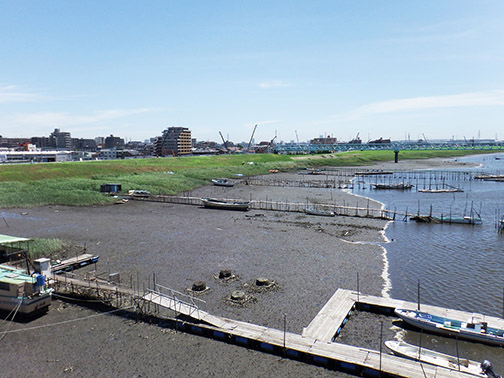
{"x": 175, "y": 141}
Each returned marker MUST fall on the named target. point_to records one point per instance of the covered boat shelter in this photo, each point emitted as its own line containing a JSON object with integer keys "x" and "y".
{"x": 14, "y": 249}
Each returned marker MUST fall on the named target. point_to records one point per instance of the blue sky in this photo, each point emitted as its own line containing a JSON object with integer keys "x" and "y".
{"x": 391, "y": 69}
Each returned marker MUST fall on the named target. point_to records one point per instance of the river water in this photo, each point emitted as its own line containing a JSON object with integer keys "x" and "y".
{"x": 450, "y": 265}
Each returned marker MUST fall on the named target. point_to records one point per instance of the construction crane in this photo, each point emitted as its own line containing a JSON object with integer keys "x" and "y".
{"x": 271, "y": 142}
{"x": 425, "y": 138}
{"x": 225, "y": 143}
{"x": 356, "y": 140}
{"x": 251, "y": 137}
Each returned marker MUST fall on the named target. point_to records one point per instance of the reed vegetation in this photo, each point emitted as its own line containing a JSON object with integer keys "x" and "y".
{"x": 45, "y": 247}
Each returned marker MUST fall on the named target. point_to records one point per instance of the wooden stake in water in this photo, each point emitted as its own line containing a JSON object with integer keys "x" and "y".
{"x": 418, "y": 305}
{"x": 358, "y": 290}
{"x": 381, "y": 342}
{"x": 285, "y": 328}
{"x": 458, "y": 357}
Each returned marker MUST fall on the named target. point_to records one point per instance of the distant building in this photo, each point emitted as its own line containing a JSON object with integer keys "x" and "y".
{"x": 175, "y": 141}
{"x": 110, "y": 154}
{"x": 43, "y": 143}
{"x": 61, "y": 139}
{"x": 380, "y": 141}
{"x": 34, "y": 156}
{"x": 114, "y": 142}
{"x": 13, "y": 142}
{"x": 81, "y": 144}
{"x": 100, "y": 142}
{"x": 324, "y": 140}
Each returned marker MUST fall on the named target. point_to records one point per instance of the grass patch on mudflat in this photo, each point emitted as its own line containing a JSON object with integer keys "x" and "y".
{"x": 40, "y": 247}
{"x": 78, "y": 183}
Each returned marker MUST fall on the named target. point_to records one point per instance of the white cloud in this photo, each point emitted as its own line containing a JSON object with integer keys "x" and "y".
{"x": 62, "y": 119}
{"x": 10, "y": 93}
{"x": 489, "y": 98}
{"x": 273, "y": 84}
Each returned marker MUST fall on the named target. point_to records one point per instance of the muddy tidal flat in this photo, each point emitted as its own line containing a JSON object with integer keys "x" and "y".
{"x": 308, "y": 257}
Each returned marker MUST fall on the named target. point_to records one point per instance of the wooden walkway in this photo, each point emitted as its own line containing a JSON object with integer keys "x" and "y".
{"x": 74, "y": 262}
{"x": 314, "y": 345}
{"x": 315, "y": 341}
{"x": 328, "y": 322}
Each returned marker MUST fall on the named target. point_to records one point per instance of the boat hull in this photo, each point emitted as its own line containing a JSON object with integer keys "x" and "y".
{"x": 223, "y": 182}
{"x": 402, "y": 349}
{"x": 28, "y": 305}
{"x": 451, "y": 327}
{"x": 321, "y": 213}
{"x": 225, "y": 205}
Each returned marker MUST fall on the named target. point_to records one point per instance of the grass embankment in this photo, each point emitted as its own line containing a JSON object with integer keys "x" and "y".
{"x": 78, "y": 183}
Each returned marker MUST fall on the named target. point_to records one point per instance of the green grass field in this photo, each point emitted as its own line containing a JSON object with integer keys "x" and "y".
{"x": 78, "y": 183}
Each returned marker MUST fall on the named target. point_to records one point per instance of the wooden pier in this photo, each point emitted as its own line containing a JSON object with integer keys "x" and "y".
{"x": 315, "y": 345}
{"x": 72, "y": 263}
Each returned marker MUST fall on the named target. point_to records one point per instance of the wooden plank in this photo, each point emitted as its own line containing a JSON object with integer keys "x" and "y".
{"x": 325, "y": 325}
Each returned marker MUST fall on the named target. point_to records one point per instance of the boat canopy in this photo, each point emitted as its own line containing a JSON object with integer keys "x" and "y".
{"x": 6, "y": 239}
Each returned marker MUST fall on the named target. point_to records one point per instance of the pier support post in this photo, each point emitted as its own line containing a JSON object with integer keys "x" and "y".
{"x": 418, "y": 303}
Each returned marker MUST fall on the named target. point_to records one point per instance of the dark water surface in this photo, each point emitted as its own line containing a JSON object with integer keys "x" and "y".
{"x": 458, "y": 266}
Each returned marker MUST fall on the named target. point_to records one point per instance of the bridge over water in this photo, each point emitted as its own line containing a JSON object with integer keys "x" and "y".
{"x": 302, "y": 148}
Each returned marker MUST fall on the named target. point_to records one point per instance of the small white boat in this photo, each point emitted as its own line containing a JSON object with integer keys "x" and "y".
{"x": 223, "y": 182}
{"x": 403, "y": 349}
{"x": 225, "y": 204}
{"x": 455, "y": 190}
{"x": 323, "y": 213}
{"x": 473, "y": 329}
{"x": 397, "y": 186}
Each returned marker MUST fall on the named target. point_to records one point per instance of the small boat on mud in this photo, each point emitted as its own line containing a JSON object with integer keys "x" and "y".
{"x": 223, "y": 182}
{"x": 323, "y": 213}
{"x": 214, "y": 203}
{"x": 23, "y": 293}
{"x": 398, "y": 186}
{"x": 472, "y": 330}
{"x": 403, "y": 349}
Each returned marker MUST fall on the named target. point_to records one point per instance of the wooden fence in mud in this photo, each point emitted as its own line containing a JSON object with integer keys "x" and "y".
{"x": 297, "y": 207}
{"x": 302, "y": 183}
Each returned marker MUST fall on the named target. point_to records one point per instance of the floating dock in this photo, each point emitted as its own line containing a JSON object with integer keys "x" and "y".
{"x": 74, "y": 263}
{"x": 316, "y": 343}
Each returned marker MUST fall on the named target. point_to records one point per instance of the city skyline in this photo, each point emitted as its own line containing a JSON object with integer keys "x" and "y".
{"x": 393, "y": 70}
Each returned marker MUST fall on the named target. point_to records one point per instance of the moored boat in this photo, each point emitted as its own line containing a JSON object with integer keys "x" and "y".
{"x": 323, "y": 213}
{"x": 23, "y": 292}
{"x": 472, "y": 330}
{"x": 225, "y": 204}
{"x": 403, "y": 349}
{"x": 398, "y": 186}
{"x": 223, "y": 182}
{"x": 442, "y": 219}
{"x": 444, "y": 190}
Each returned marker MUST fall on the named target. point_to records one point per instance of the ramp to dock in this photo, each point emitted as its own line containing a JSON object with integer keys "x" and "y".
{"x": 180, "y": 306}
{"x": 328, "y": 322}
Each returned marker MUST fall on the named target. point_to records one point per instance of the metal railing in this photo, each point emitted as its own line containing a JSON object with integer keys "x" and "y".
{"x": 179, "y": 302}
